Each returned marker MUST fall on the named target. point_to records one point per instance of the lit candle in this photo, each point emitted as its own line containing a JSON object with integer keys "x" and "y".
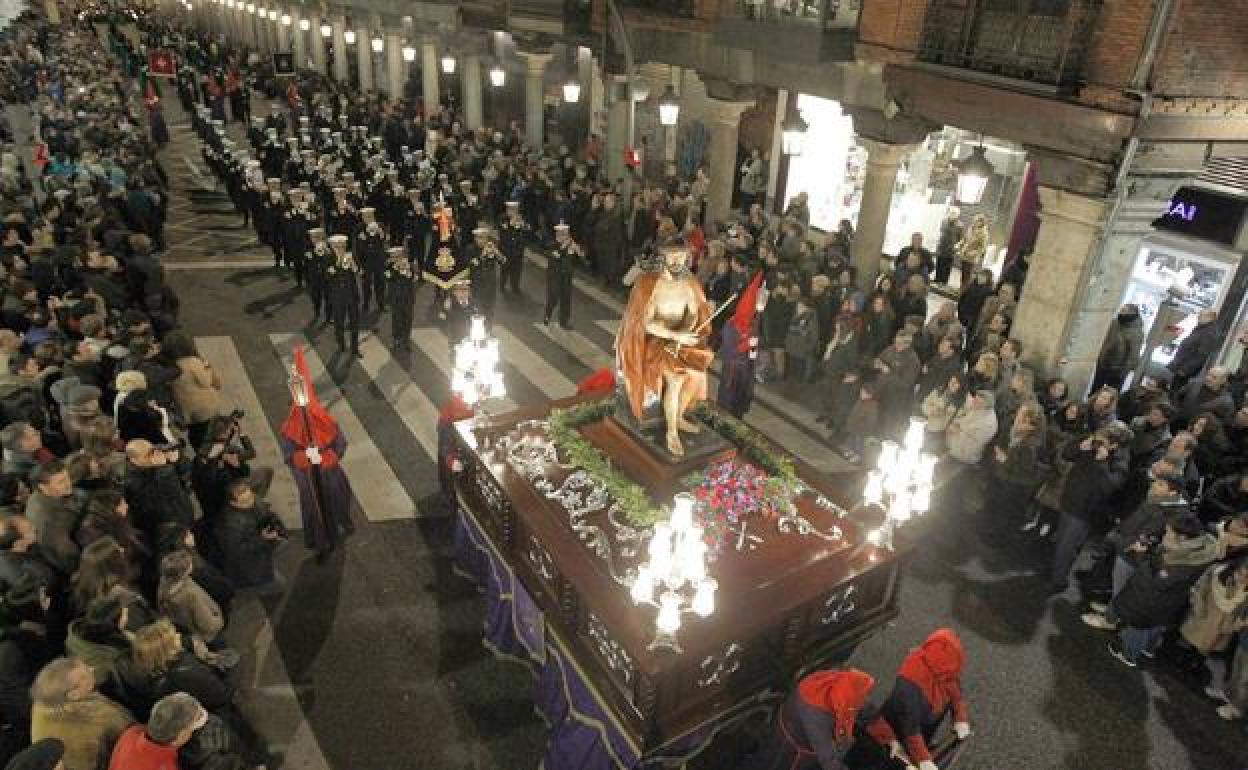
{"x": 704, "y": 598}
{"x": 668, "y": 620}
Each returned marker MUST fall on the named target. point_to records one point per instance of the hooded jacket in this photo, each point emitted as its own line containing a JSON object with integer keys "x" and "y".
{"x": 928, "y": 687}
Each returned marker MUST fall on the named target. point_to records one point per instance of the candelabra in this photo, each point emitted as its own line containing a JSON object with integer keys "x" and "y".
{"x": 901, "y": 484}
{"x": 674, "y": 576}
{"x": 476, "y": 376}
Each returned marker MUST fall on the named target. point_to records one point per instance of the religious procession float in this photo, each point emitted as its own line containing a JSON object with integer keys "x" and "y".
{"x": 666, "y": 570}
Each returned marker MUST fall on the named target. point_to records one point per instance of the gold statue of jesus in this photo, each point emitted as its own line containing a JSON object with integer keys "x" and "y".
{"x": 661, "y": 350}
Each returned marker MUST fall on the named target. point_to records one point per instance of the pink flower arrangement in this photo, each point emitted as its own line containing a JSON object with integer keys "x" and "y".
{"x": 727, "y": 494}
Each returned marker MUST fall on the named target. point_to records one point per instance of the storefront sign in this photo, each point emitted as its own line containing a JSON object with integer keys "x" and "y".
{"x": 1203, "y": 214}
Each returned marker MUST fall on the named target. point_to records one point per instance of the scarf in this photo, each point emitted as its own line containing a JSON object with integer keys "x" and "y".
{"x": 841, "y": 694}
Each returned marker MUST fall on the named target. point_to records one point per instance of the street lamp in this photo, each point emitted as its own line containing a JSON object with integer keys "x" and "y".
{"x": 379, "y": 44}
{"x": 348, "y": 37}
{"x": 305, "y": 25}
{"x": 669, "y": 108}
{"x": 498, "y": 76}
{"x": 571, "y": 92}
{"x": 973, "y": 174}
{"x": 251, "y": 8}
{"x": 409, "y": 53}
{"x": 272, "y": 14}
{"x": 327, "y": 30}
{"x": 448, "y": 65}
{"x": 286, "y": 20}
{"x": 794, "y": 134}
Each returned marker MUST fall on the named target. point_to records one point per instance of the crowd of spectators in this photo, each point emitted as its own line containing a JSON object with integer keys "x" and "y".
{"x": 129, "y": 513}
{"x": 1147, "y": 476}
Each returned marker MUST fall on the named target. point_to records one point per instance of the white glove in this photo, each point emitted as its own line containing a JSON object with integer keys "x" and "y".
{"x": 928, "y": 764}
{"x": 895, "y": 751}
{"x": 962, "y": 729}
{"x": 313, "y": 454}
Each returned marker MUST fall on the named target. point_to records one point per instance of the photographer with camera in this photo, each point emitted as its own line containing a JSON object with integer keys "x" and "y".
{"x": 222, "y": 459}
{"x": 154, "y": 489}
{"x": 1098, "y": 470}
{"x": 248, "y": 534}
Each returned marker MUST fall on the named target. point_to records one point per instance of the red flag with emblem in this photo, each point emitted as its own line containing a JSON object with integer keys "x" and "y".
{"x": 160, "y": 63}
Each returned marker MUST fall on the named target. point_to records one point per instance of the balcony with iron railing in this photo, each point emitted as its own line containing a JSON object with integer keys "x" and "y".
{"x": 1038, "y": 41}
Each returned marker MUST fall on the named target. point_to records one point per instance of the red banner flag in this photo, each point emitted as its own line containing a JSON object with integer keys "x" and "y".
{"x": 160, "y": 63}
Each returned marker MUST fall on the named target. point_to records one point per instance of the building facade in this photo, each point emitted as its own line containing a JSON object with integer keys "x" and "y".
{"x": 1098, "y": 116}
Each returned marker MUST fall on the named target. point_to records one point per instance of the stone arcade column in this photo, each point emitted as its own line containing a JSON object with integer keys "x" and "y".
{"x": 430, "y": 69}
{"x": 395, "y": 74}
{"x": 617, "y": 128}
{"x": 300, "y": 47}
{"x": 319, "y": 58}
{"x": 342, "y": 66}
{"x": 725, "y": 119}
{"x": 534, "y": 101}
{"x": 474, "y": 117}
{"x": 364, "y": 49}
{"x": 1069, "y": 238}
{"x": 883, "y": 160}
{"x": 281, "y": 32}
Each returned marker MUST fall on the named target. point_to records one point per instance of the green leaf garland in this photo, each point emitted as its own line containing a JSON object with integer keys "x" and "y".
{"x": 638, "y": 509}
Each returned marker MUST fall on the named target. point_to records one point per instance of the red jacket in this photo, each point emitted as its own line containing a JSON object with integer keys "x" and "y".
{"x": 135, "y": 751}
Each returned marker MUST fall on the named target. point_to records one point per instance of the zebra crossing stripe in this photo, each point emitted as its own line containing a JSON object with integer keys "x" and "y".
{"x": 414, "y": 408}
{"x": 223, "y": 355}
{"x": 549, "y": 380}
{"x": 378, "y": 491}
{"x": 581, "y": 347}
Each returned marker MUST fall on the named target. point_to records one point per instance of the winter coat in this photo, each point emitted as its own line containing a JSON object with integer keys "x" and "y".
{"x": 197, "y": 390}
{"x": 1123, "y": 342}
{"x": 88, "y": 727}
{"x": 1090, "y": 481}
{"x": 156, "y": 497}
{"x": 776, "y": 319}
{"x": 1194, "y": 398}
{"x": 1217, "y": 612}
{"x": 936, "y": 373}
{"x": 897, "y": 384}
{"x": 1157, "y": 593}
{"x": 969, "y": 433}
{"x": 841, "y": 355}
{"x": 1194, "y": 350}
{"x": 247, "y": 558}
{"x": 877, "y": 332}
{"x": 802, "y": 338}
{"x": 971, "y": 302}
{"x": 185, "y": 673}
{"x": 1022, "y": 462}
{"x": 191, "y": 608}
{"x": 56, "y": 521}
